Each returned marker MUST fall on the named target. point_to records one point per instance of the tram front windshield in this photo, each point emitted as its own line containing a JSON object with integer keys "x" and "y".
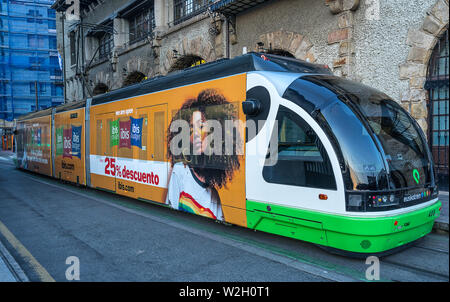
{"x": 381, "y": 144}
{"x": 402, "y": 144}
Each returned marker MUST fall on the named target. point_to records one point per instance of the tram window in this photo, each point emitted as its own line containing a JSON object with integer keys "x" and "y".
{"x": 301, "y": 159}
{"x": 158, "y": 136}
{"x": 143, "y": 151}
{"x": 99, "y": 137}
{"x": 108, "y": 145}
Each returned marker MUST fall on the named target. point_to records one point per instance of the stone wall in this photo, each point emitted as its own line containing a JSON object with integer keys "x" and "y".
{"x": 192, "y": 39}
{"x": 298, "y": 26}
{"x": 421, "y": 41}
{"x": 382, "y": 43}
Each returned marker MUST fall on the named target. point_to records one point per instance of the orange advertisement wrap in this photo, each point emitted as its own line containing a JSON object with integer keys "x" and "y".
{"x": 36, "y": 145}
{"x": 69, "y": 146}
{"x": 139, "y": 150}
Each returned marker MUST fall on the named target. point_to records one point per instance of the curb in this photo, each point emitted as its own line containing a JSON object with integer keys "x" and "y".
{"x": 13, "y": 266}
{"x": 440, "y": 227}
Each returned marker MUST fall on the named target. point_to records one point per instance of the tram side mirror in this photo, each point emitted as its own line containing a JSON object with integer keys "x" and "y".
{"x": 251, "y": 107}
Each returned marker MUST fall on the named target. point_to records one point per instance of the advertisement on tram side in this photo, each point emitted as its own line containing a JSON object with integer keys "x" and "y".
{"x": 69, "y": 146}
{"x": 35, "y": 153}
{"x": 183, "y": 147}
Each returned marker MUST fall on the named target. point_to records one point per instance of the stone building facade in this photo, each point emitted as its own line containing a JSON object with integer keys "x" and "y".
{"x": 386, "y": 44}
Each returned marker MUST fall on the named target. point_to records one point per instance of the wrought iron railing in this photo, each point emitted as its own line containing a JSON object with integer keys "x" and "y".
{"x": 186, "y": 9}
{"x": 437, "y": 85}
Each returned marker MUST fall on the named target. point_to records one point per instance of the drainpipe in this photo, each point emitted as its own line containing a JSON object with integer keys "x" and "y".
{"x": 64, "y": 55}
{"x": 82, "y": 55}
{"x": 227, "y": 37}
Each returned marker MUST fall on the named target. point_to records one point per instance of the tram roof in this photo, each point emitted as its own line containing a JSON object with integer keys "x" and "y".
{"x": 252, "y": 61}
{"x": 214, "y": 70}
{"x": 48, "y": 111}
{"x": 35, "y": 114}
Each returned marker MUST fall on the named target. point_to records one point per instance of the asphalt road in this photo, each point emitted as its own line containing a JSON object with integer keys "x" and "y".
{"x": 115, "y": 238}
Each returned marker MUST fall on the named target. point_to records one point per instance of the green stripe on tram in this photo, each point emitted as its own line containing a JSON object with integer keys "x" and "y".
{"x": 355, "y": 234}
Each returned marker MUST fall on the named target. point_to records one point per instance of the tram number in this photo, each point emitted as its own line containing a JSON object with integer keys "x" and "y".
{"x": 431, "y": 214}
{"x": 110, "y": 168}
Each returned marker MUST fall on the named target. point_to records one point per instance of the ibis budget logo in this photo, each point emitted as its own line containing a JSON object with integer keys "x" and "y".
{"x": 126, "y": 133}
{"x": 68, "y": 141}
{"x": 114, "y": 133}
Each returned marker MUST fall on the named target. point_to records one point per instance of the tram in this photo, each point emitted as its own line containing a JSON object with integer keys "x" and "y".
{"x": 260, "y": 141}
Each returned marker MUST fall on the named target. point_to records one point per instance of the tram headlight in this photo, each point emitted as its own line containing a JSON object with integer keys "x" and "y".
{"x": 355, "y": 200}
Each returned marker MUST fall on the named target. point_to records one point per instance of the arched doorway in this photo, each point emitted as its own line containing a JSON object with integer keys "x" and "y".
{"x": 100, "y": 88}
{"x": 133, "y": 78}
{"x": 438, "y": 108}
{"x": 186, "y": 61}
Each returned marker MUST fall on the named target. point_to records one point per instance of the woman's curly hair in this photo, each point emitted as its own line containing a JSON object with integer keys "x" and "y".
{"x": 216, "y": 169}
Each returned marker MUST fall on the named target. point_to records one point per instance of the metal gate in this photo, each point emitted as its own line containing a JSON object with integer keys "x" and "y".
{"x": 438, "y": 107}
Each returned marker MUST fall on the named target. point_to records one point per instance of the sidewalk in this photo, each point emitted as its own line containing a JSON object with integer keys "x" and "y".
{"x": 7, "y": 156}
{"x": 10, "y": 271}
{"x": 441, "y": 224}
{"x": 5, "y": 273}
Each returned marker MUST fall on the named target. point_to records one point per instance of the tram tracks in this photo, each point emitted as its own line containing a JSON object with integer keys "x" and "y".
{"x": 416, "y": 272}
{"x": 432, "y": 249}
{"x": 404, "y": 268}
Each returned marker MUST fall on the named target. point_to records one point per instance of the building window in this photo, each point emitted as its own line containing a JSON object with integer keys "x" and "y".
{"x": 438, "y": 116}
{"x": 141, "y": 25}
{"x": 36, "y": 41}
{"x": 52, "y": 42}
{"x": 51, "y": 13}
{"x": 73, "y": 56}
{"x": 186, "y": 62}
{"x": 42, "y": 88}
{"x": 34, "y": 15}
{"x": 55, "y": 73}
{"x": 100, "y": 88}
{"x": 32, "y": 87}
{"x": 36, "y": 63}
{"x": 32, "y": 41}
{"x": 51, "y": 24}
{"x": 185, "y": 9}
{"x": 106, "y": 44}
{"x": 57, "y": 90}
{"x": 54, "y": 61}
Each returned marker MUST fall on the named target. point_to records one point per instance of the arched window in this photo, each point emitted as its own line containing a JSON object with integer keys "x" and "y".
{"x": 281, "y": 52}
{"x": 133, "y": 78}
{"x": 438, "y": 107}
{"x": 186, "y": 61}
{"x": 100, "y": 88}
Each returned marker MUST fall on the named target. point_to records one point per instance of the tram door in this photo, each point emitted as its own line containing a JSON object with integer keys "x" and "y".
{"x": 152, "y": 153}
{"x": 103, "y": 162}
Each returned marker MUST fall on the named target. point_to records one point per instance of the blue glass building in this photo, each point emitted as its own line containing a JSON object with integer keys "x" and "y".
{"x": 30, "y": 72}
